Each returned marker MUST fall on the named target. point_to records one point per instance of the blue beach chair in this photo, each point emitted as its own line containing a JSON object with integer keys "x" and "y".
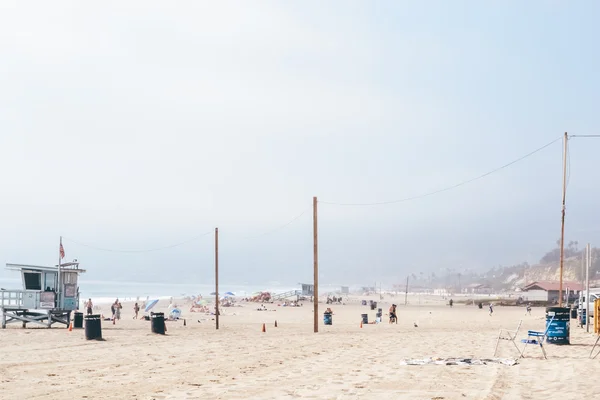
{"x": 537, "y": 338}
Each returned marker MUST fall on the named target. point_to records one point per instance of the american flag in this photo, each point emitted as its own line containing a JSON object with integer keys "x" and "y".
{"x": 62, "y": 251}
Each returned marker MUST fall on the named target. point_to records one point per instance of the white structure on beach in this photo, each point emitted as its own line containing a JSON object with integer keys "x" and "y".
{"x": 49, "y": 295}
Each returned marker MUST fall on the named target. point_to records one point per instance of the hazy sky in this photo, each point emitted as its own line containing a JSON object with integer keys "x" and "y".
{"x": 141, "y": 124}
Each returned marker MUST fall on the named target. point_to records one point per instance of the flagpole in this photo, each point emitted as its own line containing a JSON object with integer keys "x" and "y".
{"x": 59, "y": 291}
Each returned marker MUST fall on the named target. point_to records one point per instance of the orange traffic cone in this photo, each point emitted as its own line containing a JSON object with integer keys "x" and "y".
{"x": 114, "y": 321}
{"x": 264, "y": 329}
{"x": 275, "y": 323}
{"x": 71, "y": 327}
{"x": 361, "y": 323}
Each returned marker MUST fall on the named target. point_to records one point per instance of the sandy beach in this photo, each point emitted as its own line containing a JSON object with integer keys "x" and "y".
{"x": 342, "y": 361}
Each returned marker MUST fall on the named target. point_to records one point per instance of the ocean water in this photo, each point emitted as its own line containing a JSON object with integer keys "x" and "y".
{"x": 108, "y": 291}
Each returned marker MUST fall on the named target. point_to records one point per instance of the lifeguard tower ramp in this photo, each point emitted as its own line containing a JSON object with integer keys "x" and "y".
{"x": 48, "y": 296}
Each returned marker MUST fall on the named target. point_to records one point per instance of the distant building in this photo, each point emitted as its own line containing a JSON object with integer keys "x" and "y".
{"x": 478, "y": 288}
{"x": 549, "y": 290}
{"x": 308, "y": 289}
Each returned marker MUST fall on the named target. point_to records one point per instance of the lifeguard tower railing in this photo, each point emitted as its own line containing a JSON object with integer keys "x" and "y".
{"x": 12, "y": 298}
{"x": 26, "y": 299}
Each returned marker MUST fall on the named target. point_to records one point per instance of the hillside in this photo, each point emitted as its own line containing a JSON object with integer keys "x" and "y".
{"x": 548, "y": 269}
{"x": 510, "y": 278}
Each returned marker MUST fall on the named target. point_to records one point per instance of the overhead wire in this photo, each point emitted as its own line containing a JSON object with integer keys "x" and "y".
{"x": 445, "y": 189}
{"x": 278, "y": 228}
{"x": 138, "y": 251}
{"x": 295, "y": 218}
{"x": 584, "y": 135}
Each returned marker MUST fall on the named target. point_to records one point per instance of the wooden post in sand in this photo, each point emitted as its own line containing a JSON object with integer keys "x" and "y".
{"x": 562, "y": 226}
{"x": 316, "y": 268}
{"x": 217, "y": 278}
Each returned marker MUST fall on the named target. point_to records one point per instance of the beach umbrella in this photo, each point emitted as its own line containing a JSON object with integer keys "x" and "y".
{"x": 229, "y": 294}
{"x": 150, "y": 305}
{"x": 213, "y": 293}
{"x": 202, "y": 302}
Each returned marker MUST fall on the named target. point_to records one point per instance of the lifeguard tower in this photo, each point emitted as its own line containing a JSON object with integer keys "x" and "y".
{"x": 48, "y": 296}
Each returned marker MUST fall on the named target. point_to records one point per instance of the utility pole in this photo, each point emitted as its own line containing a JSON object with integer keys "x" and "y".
{"x": 562, "y": 225}
{"x": 315, "y": 267}
{"x": 217, "y": 278}
{"x": 587, "y": 288}
{"x": 406, "y": 292}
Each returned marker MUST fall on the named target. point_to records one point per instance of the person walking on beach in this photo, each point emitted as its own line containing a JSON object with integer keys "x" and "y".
{"x": 136, "y": 310}
{"x": 393, "y": 316}
{"x": 89, "y": 306}
{"x": 451, "y": 302}
{"x": 118, "y": 308}
{"x": 491, "y": 309}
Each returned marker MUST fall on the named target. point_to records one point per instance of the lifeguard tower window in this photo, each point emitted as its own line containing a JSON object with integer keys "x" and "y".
{"x": 50, "y": 281}
{"x": 33, "y": 280}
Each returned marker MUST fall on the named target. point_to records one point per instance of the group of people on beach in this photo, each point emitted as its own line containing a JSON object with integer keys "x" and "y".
{"x": 116, "y": 308}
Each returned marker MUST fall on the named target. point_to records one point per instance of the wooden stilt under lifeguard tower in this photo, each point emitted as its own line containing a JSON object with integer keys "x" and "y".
{"x": 49, "y": 295}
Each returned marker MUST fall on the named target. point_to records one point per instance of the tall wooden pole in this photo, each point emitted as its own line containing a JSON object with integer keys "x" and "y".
{"x": 406, "y": 292}
{"x": 562, "y": 225}
{"x": 316, "y": 267}
{"x": 587, "y": 288}
{"x": 217, "y": 278}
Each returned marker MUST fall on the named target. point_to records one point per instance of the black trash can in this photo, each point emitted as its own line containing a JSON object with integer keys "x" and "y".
{"x": 373, "y": 305}
{"x": 365, "y": 318}
{"x": 573, "y": 313}
{"x": 157, "y": 321}
{"x": 93, "y": 327}
{"x": 327, "y": 319}
{"x": 559, "y": 329}
{"x": 78, "y": 320}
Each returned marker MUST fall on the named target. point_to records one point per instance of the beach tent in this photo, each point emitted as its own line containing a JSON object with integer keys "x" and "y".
{"x": 175, "y": 313}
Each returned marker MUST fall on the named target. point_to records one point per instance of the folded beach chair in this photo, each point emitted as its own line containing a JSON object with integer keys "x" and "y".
{"x": 537, "y": 338}
{"x": 509, "y": 335}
